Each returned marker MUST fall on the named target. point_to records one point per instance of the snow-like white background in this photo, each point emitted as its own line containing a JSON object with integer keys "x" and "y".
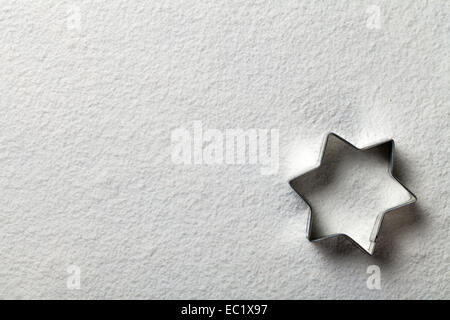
{"x": 90, "y": 92}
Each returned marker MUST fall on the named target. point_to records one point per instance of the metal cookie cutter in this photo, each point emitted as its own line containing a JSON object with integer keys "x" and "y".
{"x": 327, "y": 180}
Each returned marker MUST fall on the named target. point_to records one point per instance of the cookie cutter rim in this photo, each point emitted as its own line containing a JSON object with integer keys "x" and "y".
{"x": 380, "y": 217}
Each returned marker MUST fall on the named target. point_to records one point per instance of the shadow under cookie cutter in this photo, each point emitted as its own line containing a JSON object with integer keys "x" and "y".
{"x": 389, "y": 147}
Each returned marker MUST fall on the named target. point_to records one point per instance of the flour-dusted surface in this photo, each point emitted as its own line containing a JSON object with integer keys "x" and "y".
{"x": 91, "y": 91}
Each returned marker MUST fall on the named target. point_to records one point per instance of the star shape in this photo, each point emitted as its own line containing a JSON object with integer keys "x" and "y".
{"x": 350, "y": 191}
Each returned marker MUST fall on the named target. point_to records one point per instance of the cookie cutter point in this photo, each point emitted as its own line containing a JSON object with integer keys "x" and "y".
{"x": 379, "y": 220}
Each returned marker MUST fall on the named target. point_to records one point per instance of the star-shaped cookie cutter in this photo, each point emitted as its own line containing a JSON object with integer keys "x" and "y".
{"x": 379, "y": 219}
